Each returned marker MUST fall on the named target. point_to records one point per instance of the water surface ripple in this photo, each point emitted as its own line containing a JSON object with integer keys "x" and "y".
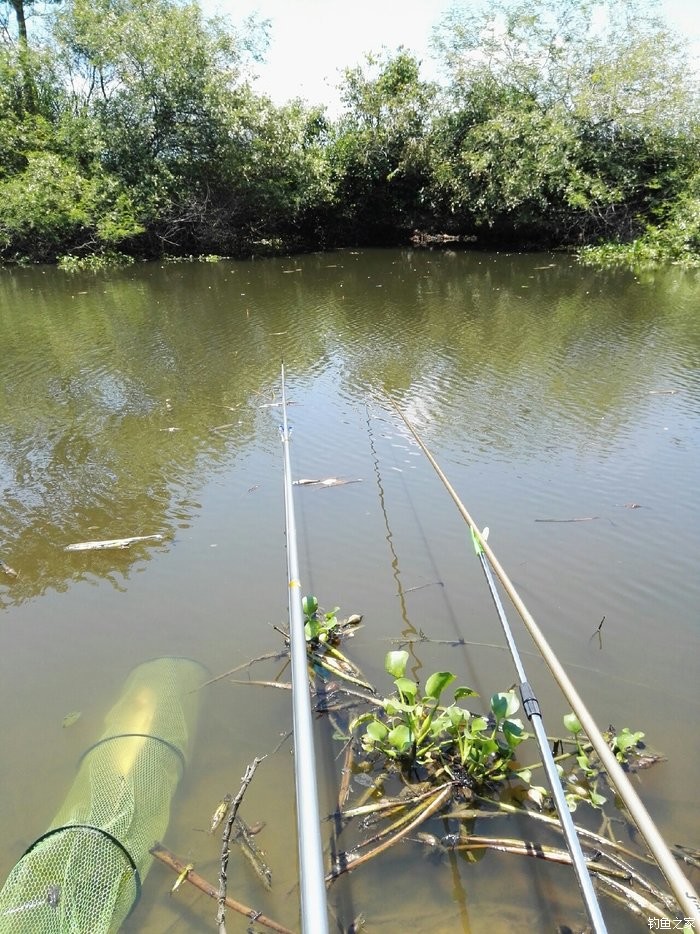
{"x": 146, "y": 401}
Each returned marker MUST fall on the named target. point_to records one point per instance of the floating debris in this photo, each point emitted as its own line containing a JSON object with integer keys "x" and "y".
{"x": 578, "y": 519}
{"x": 113, "y": 543}
{"x": 6, "y": 569}
{"x": 221, "y": 427}
{"x": 421, "y": 586}
{"x": 71, "y": 718}
{"x": 330, "y": 481}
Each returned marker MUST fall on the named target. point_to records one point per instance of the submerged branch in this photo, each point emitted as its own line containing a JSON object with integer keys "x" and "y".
{"x": 199, "y": 882}
{"x": 232, "y": 671}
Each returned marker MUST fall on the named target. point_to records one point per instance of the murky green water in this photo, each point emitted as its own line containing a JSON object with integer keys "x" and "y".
{"x": 138, "y": 403}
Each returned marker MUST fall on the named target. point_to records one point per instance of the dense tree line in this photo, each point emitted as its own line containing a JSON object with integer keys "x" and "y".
{"x": 131, "y": 127}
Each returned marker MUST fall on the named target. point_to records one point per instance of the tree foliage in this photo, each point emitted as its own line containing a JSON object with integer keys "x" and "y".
{"x": 574, "y": 116}
{"x": 378, "y": 149}
{"x": 134, "y": 125}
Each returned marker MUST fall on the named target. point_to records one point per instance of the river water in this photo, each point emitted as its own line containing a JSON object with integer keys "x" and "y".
{"x": 139, "y": 402}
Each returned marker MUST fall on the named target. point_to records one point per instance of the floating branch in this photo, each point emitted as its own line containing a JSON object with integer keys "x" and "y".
{"x": 578, "y": 519}
{"x": 232, "y": 671}
{"x": 331, "y": 481}
{"x": 283, "y": 685}
{"x": 422, "y": 586}
{"x": 113, "y": 543}
{"x": 6, "y": 569}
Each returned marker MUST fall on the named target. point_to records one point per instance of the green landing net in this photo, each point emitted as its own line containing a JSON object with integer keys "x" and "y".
{"x": 84, "y": 875}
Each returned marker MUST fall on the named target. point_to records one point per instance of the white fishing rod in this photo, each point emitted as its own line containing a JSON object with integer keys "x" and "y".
{"x": 685, "y": 894}
{"x": 314, "y": 910}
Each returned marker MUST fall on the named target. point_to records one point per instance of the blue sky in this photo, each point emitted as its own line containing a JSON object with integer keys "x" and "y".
{"x": 311, "y": 40}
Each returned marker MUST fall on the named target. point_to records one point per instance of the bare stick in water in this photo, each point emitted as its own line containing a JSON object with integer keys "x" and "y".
{"x": 225, "y": 848}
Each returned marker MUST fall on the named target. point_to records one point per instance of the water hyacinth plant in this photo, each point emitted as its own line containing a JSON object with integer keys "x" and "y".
{"x": 583, "y": 781}
{"x": 416, "y": 728}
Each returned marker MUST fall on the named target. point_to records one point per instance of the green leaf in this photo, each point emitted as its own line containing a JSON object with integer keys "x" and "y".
{"x": 478, "y": 724}
{"x": 406, "y": 687}
{"x": 358, "y": 721}
{"x": 377, "y": 731}
{"x": 597, "y": 800}
{"x": 465, "y": 692}
{"x": 393, "y": 706}
{"x": 504, "y": 704}
{"x": 499, "y": 705}
{"x": 309, "y": 605}
{"x": 312, "y": 628}
{"x": 437, "y": 683}
{"x": 584, "y": 762}
{"x": 572, "y": 724}
{"x": 457, "y": 716}
{"x": 395, "y": 663}
{"x": 440, "y": 724}
{"x": 514, "y": 732}
{"x": 400, "y": 738}
{"x": 627, "y": 740}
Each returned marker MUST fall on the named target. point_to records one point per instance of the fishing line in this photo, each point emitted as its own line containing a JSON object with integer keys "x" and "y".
{"x": 473, "y": 674}
{"x": 389, "y": 537}
{"x": 459, "y": 890}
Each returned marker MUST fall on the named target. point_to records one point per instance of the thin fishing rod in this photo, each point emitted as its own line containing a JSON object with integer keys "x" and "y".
{"x": 314, "y": 910}
{"x": 685, "y": 894}
{"x": 534, "y": 715}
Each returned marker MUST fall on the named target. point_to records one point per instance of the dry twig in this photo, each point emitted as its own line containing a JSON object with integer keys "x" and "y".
{"x": 226, "y": 838}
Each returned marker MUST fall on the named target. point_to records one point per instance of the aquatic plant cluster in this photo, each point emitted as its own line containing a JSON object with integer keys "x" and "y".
{"x": 415, "y": 729}
{"x": 133, "y": 129}
{"x": 421, "y": 768}
{"x": 424, "y": 755}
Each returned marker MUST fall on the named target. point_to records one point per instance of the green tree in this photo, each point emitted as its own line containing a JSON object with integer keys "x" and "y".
{"x": 569, "y": 115}
{"x": 161, "y": 83}
{"x": 378, "y": 151}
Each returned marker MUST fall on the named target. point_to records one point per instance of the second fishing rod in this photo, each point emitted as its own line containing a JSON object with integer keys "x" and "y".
{"x": 534, "y": 715}
{"x": 686, "y": 896}
{"x": 532, "y": 710}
